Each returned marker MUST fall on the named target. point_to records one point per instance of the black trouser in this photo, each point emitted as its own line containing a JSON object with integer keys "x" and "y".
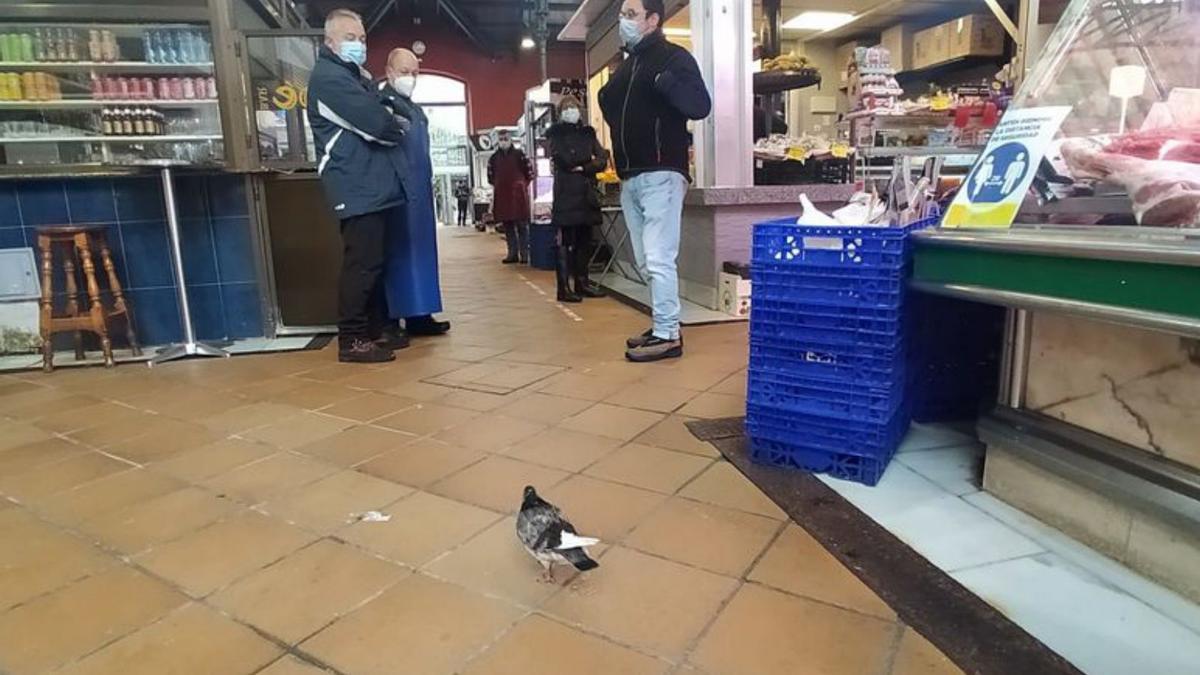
{"x": 462, "y": 213}
{"x": 362, "y": 302}
{"x": 516, "y": 236}
{"x": 575, "y": 242}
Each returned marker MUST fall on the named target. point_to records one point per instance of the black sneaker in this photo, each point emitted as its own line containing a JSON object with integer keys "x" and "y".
{"x": 362, "y": 350}
{"x": 426, "y": 326}
{"x": 509, "y": 261}
{"x": 639, "y": 340}
{"x": 392, "y": 339}
{"x": 656, "y": 349}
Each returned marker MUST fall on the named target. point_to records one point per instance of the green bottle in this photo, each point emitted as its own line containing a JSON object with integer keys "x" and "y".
{"x": 26, "y": 47}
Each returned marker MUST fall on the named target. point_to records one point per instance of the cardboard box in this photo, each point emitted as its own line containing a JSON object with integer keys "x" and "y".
{"x": 842, "y": 56}
{"x": 898, "y": 40}
{"x": 931, "y": 46}
{"x": 733, "y": 295}
{"x": 976, "y": 35}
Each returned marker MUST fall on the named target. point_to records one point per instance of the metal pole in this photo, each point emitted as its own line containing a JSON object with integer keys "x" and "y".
{"x": 545, "y": 70}
{"x": 189, "y": 346}
{"x": 1022, "y": 334}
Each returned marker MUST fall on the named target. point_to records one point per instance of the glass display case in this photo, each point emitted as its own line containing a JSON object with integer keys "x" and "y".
{"x": 1128, "y": 153}
{"x": 117, "y": 94}
{"x": 280, "y": 66}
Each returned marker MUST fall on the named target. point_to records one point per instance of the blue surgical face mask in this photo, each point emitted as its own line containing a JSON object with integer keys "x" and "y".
{"x": 353, "y": 51}
{"x": 570, "y": 115}
{"x": 631, "y": 32}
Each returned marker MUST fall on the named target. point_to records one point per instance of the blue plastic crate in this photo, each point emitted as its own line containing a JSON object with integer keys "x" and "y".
{"x": 817, "y": 432}
{"x": 865, "y": 470}
{"x": 789, "y": 392}
{"x": 776, "y": 319}
{"x": 783, "y": 242}
{"x": 874, "y": 366}
{"x": 846, "y": 287}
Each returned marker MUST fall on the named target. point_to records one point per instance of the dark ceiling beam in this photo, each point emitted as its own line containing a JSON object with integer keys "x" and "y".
{"x": 465, "y": 24}
{"x": 376, "y": 13}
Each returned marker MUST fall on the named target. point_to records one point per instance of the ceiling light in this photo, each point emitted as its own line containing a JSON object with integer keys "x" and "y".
{"x": 818, "y": 21}
{"x": 528, "y": 43}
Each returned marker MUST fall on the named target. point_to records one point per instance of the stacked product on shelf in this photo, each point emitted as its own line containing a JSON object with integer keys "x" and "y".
{"x": 827, "y": 348}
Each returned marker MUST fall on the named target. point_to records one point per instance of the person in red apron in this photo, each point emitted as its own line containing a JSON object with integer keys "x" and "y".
{"x": 510, "y": 173}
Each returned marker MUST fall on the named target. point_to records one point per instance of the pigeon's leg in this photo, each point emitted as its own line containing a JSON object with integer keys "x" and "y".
{"x": 547, "y": 576}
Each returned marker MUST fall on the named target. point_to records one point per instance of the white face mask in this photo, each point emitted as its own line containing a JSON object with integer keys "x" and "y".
{"x": 404, "y": 84}
{"x": 570, "y": 115}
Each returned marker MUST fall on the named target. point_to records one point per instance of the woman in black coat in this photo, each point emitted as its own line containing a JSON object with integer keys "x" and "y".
{"x": 577, "y": 156}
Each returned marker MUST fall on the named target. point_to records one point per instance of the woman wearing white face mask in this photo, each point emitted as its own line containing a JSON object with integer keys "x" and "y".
{"x": 577, "y": 156}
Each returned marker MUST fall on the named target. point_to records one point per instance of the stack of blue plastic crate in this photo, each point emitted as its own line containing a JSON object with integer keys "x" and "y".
{"x": 828, "y": 348}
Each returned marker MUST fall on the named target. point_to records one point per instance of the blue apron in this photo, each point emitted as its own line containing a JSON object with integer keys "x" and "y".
{"x": 411, "y": 272}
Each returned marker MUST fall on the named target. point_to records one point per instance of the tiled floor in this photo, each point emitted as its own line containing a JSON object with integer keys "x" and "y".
{"x": 200, "y": 517}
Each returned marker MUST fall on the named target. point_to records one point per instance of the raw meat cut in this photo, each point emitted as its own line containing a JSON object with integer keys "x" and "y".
{"x": 1176, "y": 144}
{"x": 1164, "y": 192}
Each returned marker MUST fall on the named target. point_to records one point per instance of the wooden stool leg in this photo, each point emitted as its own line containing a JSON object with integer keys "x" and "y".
{"x": 118, "y": 296}
{"x": 96, "y": 308}
{"x": 46, "y": 319}
{"x": 73, "y": 299}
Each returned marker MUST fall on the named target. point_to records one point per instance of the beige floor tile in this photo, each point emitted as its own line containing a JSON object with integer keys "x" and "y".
{"x": 544, "y": 408}
{"x": 478, "y": 401}
{"x": 495, "y": 564}
{"x": 77, "y": 619}
{"x": 334, "y": 372}
{"x": 355, "y": 445}
{"x": 713, "y": 406}
{"x": 77, "y": 419}
{"x": 419, "y": 391}
{"x": 299, "y": 430}
{"x": 917, "y": 656}
{"x": 672, "y": 434}
{"x": 563, "y": 449}
{"x": 14, "y": 434}
{"x": 369, "y": 406}
{"x": 603, "y": 419}
{"x": 162, "y": 519}
{"x": 192, "y": 404}
{"x": 215, "y": 556}
{"x": 213, "y": 459}
{"x": 268, "y": 389}
{"x": 734, "y": 385}
{"x": 114, "y": 429}
{"x": 585, "y": 387}
{"x": 421, "y": 462}
{"x": 307, "y": 590}
{"x": 599, "y": 508}
{"x": 490, "y": 433}
{"x": 648, "y": 467}
{"x": 334, "y": 501}
{"x": 32, "y": 485}
{"x": 724, "y": 485}
{"x": 313, "y": 395}
{"x": 251, "y": 416}
{"x": 165, "y": 439}
{"x": 644, "y": 601}
{"x": 267, "y": 478}
{"x": 714, "y": 538}
{"x": 798, "y": 564}
{"x": 535, "y": 644}
{"x": 97, "y": 498}
{"x": 765, "y": 632}
{"x": 421, "y": 527}
{"x": 20, "y": 458}
{"x": 497, "y": 483}
{"x": 290, "y": 665}
{"x": 644, "y": 396}
{"x": 687, "y": 374}
{"x": 193, "y": 640}
{"x": 418, "y": 626}
{"x": 46, "y": 558}
{"x": 55, "y": 403}
{"x": 427, "y": 418}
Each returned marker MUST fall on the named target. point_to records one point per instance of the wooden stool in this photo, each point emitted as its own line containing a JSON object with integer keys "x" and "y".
{"x": 78, "y": 242}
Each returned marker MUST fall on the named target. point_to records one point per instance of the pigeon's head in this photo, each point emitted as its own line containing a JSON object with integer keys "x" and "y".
{"x": 530, "y": 493}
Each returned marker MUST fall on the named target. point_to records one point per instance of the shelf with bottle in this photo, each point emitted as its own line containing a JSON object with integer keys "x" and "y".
{"x": 143, "y": 48}
{"x": 172, "y": 138}
{"x": 47, "y": 87}
{"x": 88, "y": 103}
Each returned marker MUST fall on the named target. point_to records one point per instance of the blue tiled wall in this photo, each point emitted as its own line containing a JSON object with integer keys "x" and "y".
{"x": 218, "y": 253}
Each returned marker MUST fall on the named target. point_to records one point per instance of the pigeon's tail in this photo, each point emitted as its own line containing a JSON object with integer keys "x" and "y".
{"x": 579, "y": 559}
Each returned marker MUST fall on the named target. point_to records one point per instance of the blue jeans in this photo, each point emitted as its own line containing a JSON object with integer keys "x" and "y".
{"x": 653, "y": 206}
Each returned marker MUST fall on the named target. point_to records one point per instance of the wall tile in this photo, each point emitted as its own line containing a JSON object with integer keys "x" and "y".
{"x": 12, "y": 237}
{"x": 243, "y": 311}
{"x": 199, "y": 256}
{"x": 191, "y": 196}
{"x": 235, "y": 250}
{"x": 227, "y": 196}
{"x": 208, "y": 315}
{"x": 91, "y": 200}
{"x": 156, "y": 313}
{"x": 147, "y": 252}
{"x": 139, "y": 199}
{"x": 43, "y": 202}
{"x": 10, "y": 212}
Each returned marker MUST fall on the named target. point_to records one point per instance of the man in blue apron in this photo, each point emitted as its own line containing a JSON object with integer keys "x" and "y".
{"x": 411, "y": 274}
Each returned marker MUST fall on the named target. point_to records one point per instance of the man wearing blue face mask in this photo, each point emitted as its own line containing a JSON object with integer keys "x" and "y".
{"x": 363, "y": 179}
{"x": 647, "y": 104}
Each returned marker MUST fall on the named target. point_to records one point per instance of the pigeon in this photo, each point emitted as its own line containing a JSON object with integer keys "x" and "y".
{"x": 549, "y": 537}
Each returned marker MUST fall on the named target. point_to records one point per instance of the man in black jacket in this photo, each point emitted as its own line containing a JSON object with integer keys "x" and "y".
{"x": 647, "y": 104}
{"x": 363, "y": 175}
